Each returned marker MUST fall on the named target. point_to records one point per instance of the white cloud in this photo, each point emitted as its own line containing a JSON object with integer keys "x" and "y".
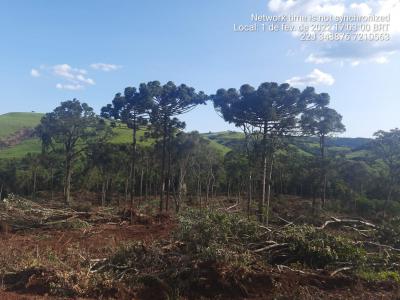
{"x": 83, "y": 79}
{"x": 361, "y": 9}
{"x": 71, "y": 87}
{"x": 382, "y": 60}
{"x": 316, "y": 77}
{"x": 312, "y": 58}
{"x": 105, "y": 67}
{"x": 352, "y": 53}
{"x": 73, "y": 75}
{"x": 68, "y": 77}
{"x": 35, "y": 73}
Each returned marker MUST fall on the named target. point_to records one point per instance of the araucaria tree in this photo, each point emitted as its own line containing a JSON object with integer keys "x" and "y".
{"x": 272, "y": 111}
{"x": 322, "y": 121}
{"x": 132, "y": 109}
{"x": 168, "y": 101}
{"x": 386, "y": 147}
{"x": 71, "y": 128}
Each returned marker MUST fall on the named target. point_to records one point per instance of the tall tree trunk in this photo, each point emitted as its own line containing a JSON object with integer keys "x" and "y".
{"x": 34, "y": 175}
{"x": 141, "y": 185}
{"x": 181, "y": 181}
{"x": 109, "y": 197}
{"x": 67, "y": 184}
{"x": 146, "y": 189}
{"x": 133, "y": 176}
{"x": 250, "y": 180}
{"x": 162, "y": 185}
{"x": 146, "y": 193}
{"x": 229, "y": 189}
{"x": 126, "y": 190}
{"x": 168, "y": 174}
{"x": 271, "y": 164}
{"x": 314, "y": 208}
{"x": 198, "y": 190}
{"x": 201, "y": 197}
{"x": 387, "y": 200}
{"x": 103, "y": 193}
{"x": 133, "y": 163}
{"x": 323, "y": 171}
{"x": 249, "y": 196}
{"x": 212, "y": 181}
{"x": 207, "y": 188}
{"x": 261, "y": 202}
{"x": 52, "y": 183}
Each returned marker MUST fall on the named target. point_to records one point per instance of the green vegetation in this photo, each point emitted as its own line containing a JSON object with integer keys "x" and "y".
{"x": 255, "y": 212}
{"x": 12, "y": 122}
{"x": 380, "y": 276}
{"x": 31, "y": 145}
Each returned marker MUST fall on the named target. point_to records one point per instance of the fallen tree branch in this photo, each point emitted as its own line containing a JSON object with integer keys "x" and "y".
{"x": 340, "y": 270}
{"x": 269, "y": 247}
{"x": 345, "y": 221}
{"x": 377, "y": 245}
{"x": 357, "y": 230}
{"x": 280, "y": 267}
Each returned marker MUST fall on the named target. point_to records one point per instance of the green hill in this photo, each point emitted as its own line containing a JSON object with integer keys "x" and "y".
{"x": 13, "y": 123}
{"x": 351, "y": 147}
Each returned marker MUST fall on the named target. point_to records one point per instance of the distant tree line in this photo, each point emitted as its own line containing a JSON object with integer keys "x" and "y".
{"x": 163, "y": 162}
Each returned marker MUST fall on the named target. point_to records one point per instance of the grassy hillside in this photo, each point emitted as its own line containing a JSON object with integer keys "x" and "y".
{"x": 12, "y": 122}
{"x": 351, "y": 147}
{"x": 222, "y": 141}
{"x": 20, "y": 150}
{"x": 122, "y": 135}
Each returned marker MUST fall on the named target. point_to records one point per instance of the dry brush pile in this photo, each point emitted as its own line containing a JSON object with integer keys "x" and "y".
{"x": 214, "y": 254}
{"x": 221, "y": 254}
{"x": 17, "y": 213}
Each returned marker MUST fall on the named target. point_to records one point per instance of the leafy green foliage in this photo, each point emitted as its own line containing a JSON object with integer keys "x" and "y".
{"x": 205, "y": 231}
{"x": 200, "y": 229}
{"x": 318, "y": 249}
{"x": 380, "y": 275}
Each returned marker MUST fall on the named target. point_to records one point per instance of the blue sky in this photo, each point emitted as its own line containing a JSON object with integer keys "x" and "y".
{"x": 52, "y": 51}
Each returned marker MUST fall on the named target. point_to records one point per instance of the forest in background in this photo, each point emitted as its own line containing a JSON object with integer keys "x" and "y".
{"x": 137, "y": 148}
{"x": 244, "y": 214}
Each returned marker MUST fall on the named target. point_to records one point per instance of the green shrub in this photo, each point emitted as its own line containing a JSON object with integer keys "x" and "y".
{"x": 317, "y": 248}
{"x": 379, "y": 276}
{"x": 389, "y": 233}
{"x": 393, "y": 208}
{"x": 364, "y": 205}
{"x": 200, "y": 229}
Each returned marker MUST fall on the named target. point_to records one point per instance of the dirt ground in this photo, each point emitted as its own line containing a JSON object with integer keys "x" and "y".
{"x": 67, "y": 249}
